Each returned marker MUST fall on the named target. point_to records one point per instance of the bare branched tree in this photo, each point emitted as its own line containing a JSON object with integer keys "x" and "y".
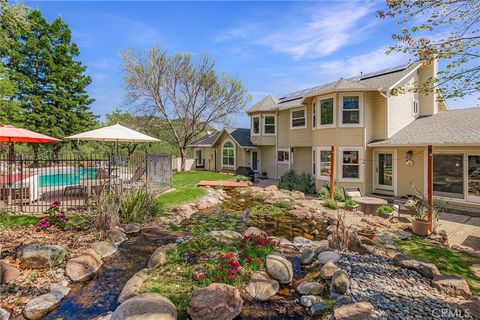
{"x": 187, "y": 93}
{"x": 447, "y": 30}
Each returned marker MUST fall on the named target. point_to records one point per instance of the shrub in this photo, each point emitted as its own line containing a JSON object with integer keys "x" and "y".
{"x": 338, "y": 195}
{"x": 332, "y": 204}
{"x": 240, "y": 178}
{"x": 105, "y": 211}
{"x": 255, "y": 249}
{"x": 55, "y": 217}
{"x": 302, "y": 182}
{"x": 385, "y": 209}
{"x": 286, "y": 204}
{"x": 138, "y": 206}
{"x": 350, "y": 203}
{"x": 265, "y": 210}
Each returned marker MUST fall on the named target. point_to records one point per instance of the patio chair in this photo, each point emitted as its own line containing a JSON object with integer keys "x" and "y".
{"x": 82, "y": 185}
{"x": 352, "y": 193}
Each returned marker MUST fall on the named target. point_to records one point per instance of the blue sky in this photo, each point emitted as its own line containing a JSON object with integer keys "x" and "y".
{"x": 274, "y": 47}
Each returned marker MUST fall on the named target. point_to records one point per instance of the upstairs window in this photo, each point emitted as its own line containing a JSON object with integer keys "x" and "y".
{"x": 314, "y": 115}
{"x": 269, "y": 125}
{"x": 415, "y": 108}
{"x": 298, "y": 119}
{"x": 351, "y": 114}
{"x": 327, "y": 112}
{"x": 283, "y": 156}
{"x": 256, "y": 125}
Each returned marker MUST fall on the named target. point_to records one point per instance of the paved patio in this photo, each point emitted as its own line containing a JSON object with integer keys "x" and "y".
{"x": 462, "y": 230}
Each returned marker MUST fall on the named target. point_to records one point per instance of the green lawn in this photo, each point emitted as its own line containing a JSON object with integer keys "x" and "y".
{"x": 448, "y": 261}
{"x": 185, "y": 185}
{"x": 21, "y": 221}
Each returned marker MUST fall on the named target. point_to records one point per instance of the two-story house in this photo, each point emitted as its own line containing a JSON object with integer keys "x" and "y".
{"x": 379, "y": 125}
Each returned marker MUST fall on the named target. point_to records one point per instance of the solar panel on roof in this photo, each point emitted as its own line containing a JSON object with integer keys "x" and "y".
{"x": 380, "y": 72}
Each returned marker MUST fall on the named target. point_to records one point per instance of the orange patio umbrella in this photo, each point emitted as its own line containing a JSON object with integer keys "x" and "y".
{"x": 14, "y": 134}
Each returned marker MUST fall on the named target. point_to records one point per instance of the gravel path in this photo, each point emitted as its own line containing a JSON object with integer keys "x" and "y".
{"x": 397, "y": 293}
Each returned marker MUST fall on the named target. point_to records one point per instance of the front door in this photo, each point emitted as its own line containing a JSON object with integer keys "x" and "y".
{"x": 255, "y": 161}
{"x": 473, "y": 182}
{"x": 385, "y": 171}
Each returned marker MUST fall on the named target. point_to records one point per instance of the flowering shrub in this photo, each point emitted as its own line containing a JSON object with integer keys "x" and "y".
{"x": 55, "y": 217}
{"x": 254, "y": 250}
{"x": 225, "y": 270}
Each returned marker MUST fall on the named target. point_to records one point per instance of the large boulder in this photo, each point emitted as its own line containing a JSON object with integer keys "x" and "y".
{"x": 38, "y": 307}
{"x": 328, "y": 256}
{"x": 8, "y": 273}
{"x": 218, "y": 301}
{"x": 116, "y": 236}
{"x": 428, "y": 270}
{"x": 81, "y": 268}
{"x": 355, "y": 311}
{"x": 160, "y": 255}
{"x": 340, "y": 282}
{"x": 328, "y": 270}
{"x": 279, "y": 268}
{"x": 133, "y": 286}
{"x": 253, "y": 231}
{"x": 105, "y": 316}
{"x": 225, "y": 235}
{"x": 146, "y": 306}
{"x": 310, "y": 288}
{"x": 452, "y": 285}
{"x": 104, "y": 248}
{"x": 38, "y": 256}
{"x": 262, "y": 288}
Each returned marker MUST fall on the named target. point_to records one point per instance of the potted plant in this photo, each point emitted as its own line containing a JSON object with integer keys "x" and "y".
{"x": 420, "y": 208}
{"x": 351, "y": 205}
{"x": 368, "y": 232}
{"x": 385, "y": 211}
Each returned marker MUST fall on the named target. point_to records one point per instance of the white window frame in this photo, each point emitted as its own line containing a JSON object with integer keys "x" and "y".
{"x": 304, "y": 116}
{"x": 314, "y": 114}
{"x": 334, "y": 124}
{"x": 234, "y": 153}
{"x": 263, "y": 124}
{"x": 287, "y": 150}
{"x": 415, "y": 108}
{"x": 259, "y": 126}
{"x": 360, "y": 164}
{"x": 320, "y": 149}
{"x": 360, "y": 106}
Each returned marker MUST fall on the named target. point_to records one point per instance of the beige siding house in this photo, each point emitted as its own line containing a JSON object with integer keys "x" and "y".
{"x": 381, "y": 128}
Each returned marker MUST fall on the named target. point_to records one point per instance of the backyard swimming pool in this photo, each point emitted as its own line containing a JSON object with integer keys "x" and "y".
{"x": 72, "y": 177}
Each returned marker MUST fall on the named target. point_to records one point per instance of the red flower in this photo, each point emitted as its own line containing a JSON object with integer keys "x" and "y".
{"x": 235, "y": 270}
{"x": 219, "y": 267}
{"x": 228, "y": 255}
{"x": 231, "y": 278}
{"x": 217, "y": 278}
{"x": 249, "y": 259}
{"x": 201, "y": 276}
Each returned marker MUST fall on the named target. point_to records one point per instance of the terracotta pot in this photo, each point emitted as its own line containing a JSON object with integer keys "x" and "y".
{"x": 370, "y": 236}
{"x": 421, "y": 227}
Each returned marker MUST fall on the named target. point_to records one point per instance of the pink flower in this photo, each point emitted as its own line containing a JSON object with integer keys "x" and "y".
{"x": 44, "y": 223}
{"x": 231, "y": 278}
{"x": 54, "y": 204}
{"x": 228, "y": 255}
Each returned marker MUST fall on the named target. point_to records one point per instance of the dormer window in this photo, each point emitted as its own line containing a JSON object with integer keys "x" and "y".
{"x": 256, "y": 125}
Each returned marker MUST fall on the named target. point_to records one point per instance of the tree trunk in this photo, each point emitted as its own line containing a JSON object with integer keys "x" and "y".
{"x": 183, "y": 153}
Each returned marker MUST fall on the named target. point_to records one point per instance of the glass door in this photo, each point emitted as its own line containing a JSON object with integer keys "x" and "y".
{"x": 385, "y": 171}
{"x": 473, "y": 181}
{"x": 255, "y": 161}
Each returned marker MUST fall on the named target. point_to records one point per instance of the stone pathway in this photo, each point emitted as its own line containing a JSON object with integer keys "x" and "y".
{"x": 462, "y": 230}
{"x": 396, "y": 293}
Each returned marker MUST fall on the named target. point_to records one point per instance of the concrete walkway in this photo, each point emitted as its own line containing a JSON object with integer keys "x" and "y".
{"x": 461, "y": 230}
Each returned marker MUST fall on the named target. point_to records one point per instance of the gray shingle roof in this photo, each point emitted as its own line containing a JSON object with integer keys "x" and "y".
{"x": 458, "y": 127}
{"x": 206, "y": 140}
{"x": 240, "y": 135}
{"x": 383, "y": 79}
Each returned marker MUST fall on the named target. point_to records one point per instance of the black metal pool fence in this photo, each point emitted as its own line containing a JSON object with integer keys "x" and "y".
{"x": 30, "y": 183}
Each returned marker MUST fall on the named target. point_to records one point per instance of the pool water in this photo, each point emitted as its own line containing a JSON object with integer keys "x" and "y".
{"x": 76, "y": 176}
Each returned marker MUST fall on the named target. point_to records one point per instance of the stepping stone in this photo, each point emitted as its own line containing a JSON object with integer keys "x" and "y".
{"x": 104, "y": 248}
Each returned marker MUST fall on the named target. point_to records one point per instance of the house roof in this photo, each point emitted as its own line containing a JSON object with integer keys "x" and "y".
{"x": 240, "y": 135}
{"x": 453, "y": 127}
{"x": 384, "y": 80}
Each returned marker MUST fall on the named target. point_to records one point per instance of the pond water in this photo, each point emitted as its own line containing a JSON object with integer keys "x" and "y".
{"x": 99, "y": 295}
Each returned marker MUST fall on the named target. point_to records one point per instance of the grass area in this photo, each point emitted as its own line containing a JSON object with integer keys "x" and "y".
{"x": 7, "y": 222}
{"x": 448, "y": 261}
{"x": 185, "y": 185}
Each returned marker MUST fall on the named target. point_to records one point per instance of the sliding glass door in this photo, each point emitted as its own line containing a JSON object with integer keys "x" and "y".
{"x": 473, "y": 182}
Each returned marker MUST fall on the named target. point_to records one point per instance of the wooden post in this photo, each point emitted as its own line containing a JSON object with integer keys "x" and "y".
{"x": 332, "y": 172}
{"x": 430, "y": 187}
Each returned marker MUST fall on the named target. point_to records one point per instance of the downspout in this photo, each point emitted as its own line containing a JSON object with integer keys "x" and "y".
{"x": 276, "y": 145}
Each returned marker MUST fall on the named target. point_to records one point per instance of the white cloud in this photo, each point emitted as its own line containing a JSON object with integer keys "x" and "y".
{"x": 308, "y": 32}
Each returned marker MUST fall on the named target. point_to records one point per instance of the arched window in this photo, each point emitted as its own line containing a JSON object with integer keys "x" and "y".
{"x": 228, "y": 154}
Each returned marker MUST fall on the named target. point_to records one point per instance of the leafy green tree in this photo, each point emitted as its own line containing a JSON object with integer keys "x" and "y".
{"x": 51, "y": 82}
{"x": 187, "y": 94}
{"x": 441, "y": 29}
{"x": 13, "y": 22}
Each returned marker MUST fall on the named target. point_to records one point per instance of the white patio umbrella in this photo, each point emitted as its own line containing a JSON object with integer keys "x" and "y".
{"x": 116, "y": 133}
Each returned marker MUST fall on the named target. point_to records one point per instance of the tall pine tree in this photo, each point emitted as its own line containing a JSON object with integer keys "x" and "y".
{"x": 51, "y": 82}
